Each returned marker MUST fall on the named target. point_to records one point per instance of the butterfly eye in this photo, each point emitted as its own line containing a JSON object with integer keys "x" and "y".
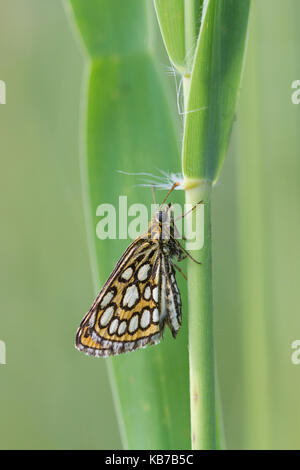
{"x": 161, "y": 216}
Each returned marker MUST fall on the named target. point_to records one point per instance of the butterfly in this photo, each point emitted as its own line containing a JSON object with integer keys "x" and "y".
{"x": 141, "y": 296}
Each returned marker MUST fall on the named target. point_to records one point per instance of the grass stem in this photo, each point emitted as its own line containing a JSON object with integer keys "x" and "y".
{"x": 201, "y": 348}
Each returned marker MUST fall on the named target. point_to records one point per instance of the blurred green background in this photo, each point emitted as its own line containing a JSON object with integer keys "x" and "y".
{"x": 50, "y": 396}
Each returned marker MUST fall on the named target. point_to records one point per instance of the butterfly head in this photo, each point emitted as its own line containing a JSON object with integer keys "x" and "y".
{"x": 162, "y": 223}
{"x": 163, "y": 215}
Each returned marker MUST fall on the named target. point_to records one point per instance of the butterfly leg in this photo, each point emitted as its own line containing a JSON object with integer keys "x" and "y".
{"x": 184, "y": 252}
{"x": 179, "y": 270}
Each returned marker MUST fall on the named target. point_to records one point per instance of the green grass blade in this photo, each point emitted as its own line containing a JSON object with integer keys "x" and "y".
{"x": 179, "y": 22}
{"x": 129, "y": 128}
{"x": 170, "y": 15}
{"x": 192, "y": 20}
{"x": 213, "y": 87}
{"x": 111, "y": 28}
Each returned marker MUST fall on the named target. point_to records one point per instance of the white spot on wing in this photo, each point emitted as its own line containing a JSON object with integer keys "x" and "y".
{"x": 106, "y": 316}
{"x": 113, "y": 326}
{"x": 122, "y": 328}
{"x": 92, "y": 319}
{"x": 133, "y": 324}
{"x": 143, "y": 272}
{"x": 126, "y": 275}
{"x": 107, "y": 298}
{"x": 155, "y": 294}
{"x": 131, "y": 296}
{"x": 155, "y": 316}
{"x": 145, "y": 319}
{"x": 147, "y": 293}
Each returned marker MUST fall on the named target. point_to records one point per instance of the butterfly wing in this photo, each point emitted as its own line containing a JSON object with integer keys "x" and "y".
{"x": 173, "y": 298}
{"x": 126, "y": 314}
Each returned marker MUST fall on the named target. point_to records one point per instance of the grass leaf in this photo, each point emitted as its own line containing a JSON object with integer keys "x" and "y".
{"x": 170, "y": 15}
{"x": 129, "y": 127}
{"x": 213, "y": 87}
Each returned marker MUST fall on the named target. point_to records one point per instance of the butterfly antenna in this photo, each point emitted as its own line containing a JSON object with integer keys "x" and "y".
{"x": 153, "y": 194}
{"x": 172, "y": 189}
{"x": 189, "y": 211}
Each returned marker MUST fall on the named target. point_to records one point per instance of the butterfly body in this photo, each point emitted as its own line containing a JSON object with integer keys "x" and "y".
{"x": 140, "y": 297}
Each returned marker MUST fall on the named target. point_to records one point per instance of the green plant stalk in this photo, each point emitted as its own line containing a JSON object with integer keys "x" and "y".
{"x": 201, "y": 348}
{"x": 190, "y": 22}
{"x": 210, "y": 94}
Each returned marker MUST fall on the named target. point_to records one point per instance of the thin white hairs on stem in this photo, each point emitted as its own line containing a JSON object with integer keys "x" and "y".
{"x": 163, "y": 181}
{"x": 179, "y": 95}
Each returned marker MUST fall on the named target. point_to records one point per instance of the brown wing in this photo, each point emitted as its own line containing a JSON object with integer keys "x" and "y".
{"x": 126, "y": 313}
